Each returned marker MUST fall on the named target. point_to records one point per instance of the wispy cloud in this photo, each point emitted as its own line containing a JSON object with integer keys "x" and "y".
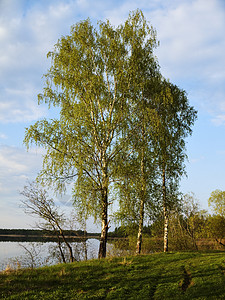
{"x": 192, "y": 45}
{"x": 20, "y": 105}
{"x": 25, "y": 40}
{"x": 197, "y": 159}
{"x": 191, "y": 35}
{"x": 3, "y": 136}
{"x": 192, "y": 49}
{"x": 16, "y": 166}
{"x": 219, "y": 120}
{"x": 191, "y": 54}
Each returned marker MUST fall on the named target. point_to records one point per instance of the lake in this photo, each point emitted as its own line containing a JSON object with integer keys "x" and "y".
{"x": 28, "y": 254}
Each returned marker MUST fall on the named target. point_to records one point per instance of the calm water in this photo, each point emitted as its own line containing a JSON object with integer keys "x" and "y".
{"x": 27, "y": 253}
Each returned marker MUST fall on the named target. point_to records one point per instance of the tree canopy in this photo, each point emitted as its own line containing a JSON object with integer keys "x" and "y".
{"x": 217, "y": 202}
{"x": 117, "y": 112}
{"x": 96, "y": 78}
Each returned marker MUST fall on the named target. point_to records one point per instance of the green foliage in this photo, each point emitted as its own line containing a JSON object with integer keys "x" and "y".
{"x": 121, "y": 125}
{"x": 217, "y": 202}
{"x": 96, "y": 79}
{"x": 129, "y": 230}
{"x": 174, "y": 118}
{"x": 159, "y": 152}
{"x": 187, "y": 224}
{"x": 217, "y": 228}
{"x": 157, "y": 227}
{"x": 158, "y": 276}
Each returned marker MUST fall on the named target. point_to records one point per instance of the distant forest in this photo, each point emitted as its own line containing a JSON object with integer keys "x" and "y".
{"x": 40, "y": 235}
{"x": 39, "y": 232}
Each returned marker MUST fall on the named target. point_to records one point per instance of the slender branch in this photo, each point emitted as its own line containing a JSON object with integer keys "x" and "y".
{"x": 220, "y": 242}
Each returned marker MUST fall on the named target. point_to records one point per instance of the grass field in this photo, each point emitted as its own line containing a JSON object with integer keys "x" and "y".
{"x": 189, "y": 275}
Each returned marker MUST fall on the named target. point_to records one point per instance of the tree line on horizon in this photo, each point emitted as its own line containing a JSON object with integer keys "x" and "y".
{"x": 191, "y": 228}
{"x": 121, "y": 132}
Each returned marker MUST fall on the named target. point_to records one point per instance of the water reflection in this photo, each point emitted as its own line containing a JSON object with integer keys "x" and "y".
{"x": 34, "y": 254}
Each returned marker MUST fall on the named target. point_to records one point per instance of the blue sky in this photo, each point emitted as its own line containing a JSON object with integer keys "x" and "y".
{"x": 191, "y": 55}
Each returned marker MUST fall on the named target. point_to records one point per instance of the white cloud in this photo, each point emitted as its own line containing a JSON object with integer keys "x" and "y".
{"x": 191, "y": 34}
{"x": 3, "y": 136}
{"x": 18, "y": 162}
{"x": 28, "y": 30}
{"x": 16, "y": 166}
{"x": 219, "y": 120}
{"x": 191, "y": 54}
{"x": 197, "y": 159}
{"x": 12, "y": 164}
{"x": 191, "y": 51}
{"x": 192, "y": 45}
{"x": 25, "y": 41}
{"x": 19, "y": 105}
{"x": 14, "y": 217}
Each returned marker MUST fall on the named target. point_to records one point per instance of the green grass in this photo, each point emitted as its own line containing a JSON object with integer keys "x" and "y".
{"x": 189, "y": 275}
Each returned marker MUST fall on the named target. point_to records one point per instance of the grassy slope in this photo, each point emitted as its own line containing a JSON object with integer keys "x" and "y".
{"x": 157, "y": 276}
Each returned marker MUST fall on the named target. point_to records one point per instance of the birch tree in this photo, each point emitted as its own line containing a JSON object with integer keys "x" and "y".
{"x": 95, "y": 81}
{"x": 138, "y": 173}
{"x": 145, "y": 174}
{"x": 136, "y": 187}
{"x": 216, "y": 202}
{"x": 173, "y": 120}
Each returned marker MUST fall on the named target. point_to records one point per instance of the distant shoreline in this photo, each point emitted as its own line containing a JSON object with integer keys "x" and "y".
{"x": 32, "y": 235}
{"x": 38, "y": 235}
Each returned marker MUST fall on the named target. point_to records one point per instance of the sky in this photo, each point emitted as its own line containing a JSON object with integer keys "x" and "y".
{"x": 191, "y": 55}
